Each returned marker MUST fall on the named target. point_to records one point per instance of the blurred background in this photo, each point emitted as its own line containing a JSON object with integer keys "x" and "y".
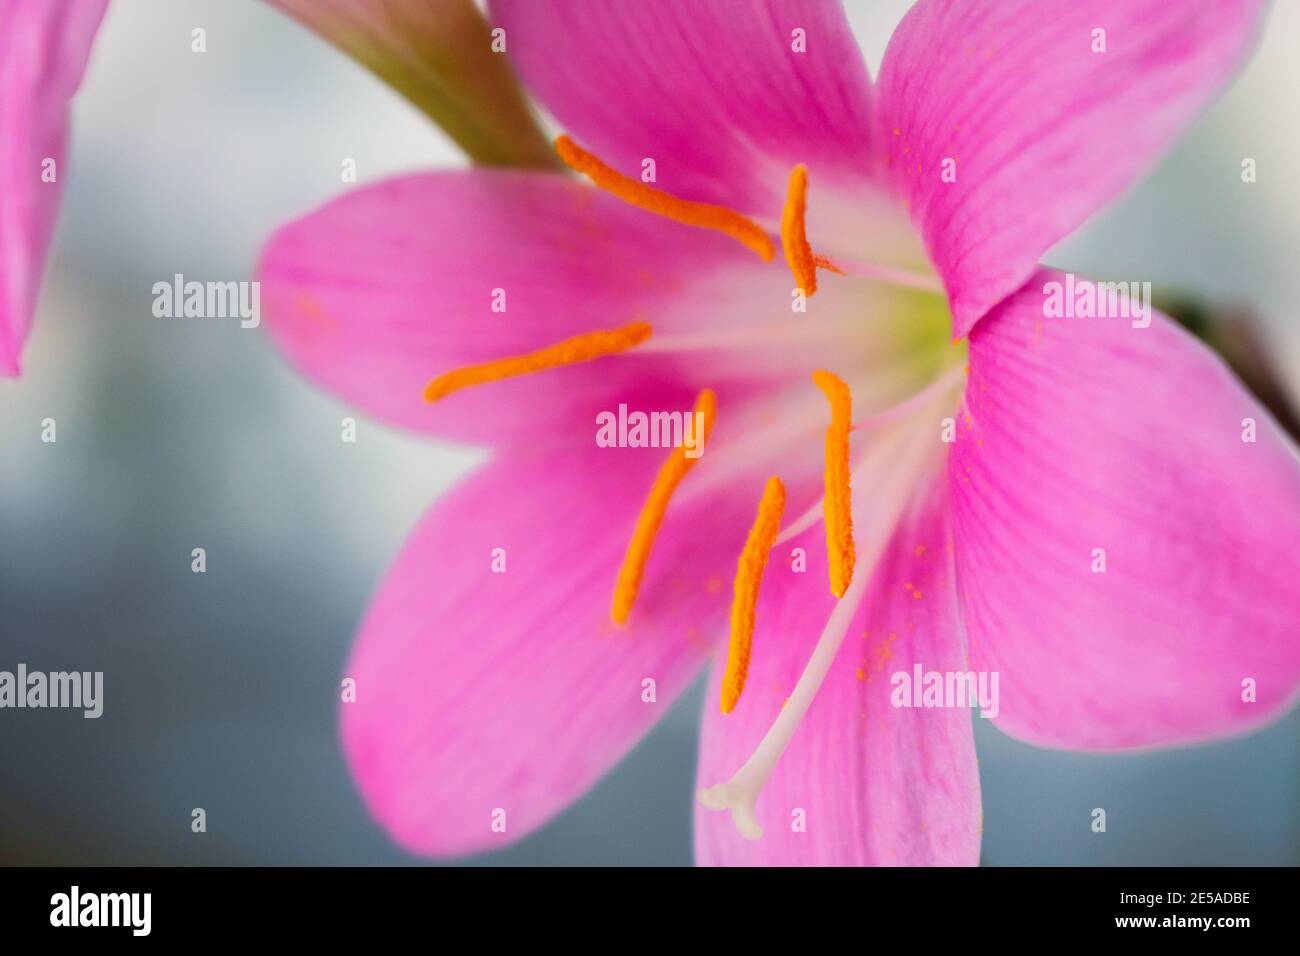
{"x": 221, "y": 688}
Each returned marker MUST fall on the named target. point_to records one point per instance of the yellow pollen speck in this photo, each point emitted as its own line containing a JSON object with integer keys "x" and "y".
{"x": 838, "y": 503}
{"x": 700, "y": 214}
{"x": 670, "y": 475}
{"x": 920, "y": 550}
{"x": 749, "y": 575}
{"x": 579, "y": 348}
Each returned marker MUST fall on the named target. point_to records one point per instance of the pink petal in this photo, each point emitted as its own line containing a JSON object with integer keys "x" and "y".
{"x": 388, "y": 286}
{"x": 44, "y": 45}
{"x": 479, "y": 690}
{"x": 1088, "y": 433}
{"x": 878, "y": 785}
{"x": 1043, "y": 131}
{"x": 713, "y": 92}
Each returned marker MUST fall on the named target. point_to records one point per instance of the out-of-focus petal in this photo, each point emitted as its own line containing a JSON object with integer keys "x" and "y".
{"x": 44, "y": 46}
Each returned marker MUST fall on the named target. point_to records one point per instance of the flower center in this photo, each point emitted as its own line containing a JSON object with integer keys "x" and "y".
{"x": 890, "y": 463}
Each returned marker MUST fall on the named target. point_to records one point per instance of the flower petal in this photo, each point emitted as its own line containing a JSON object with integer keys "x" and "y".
{"x": 877, "y": 784}
{"x": 438, "y": 54}
{"x": 714, "y": 92}
{"x": 44, "y": 46}
{"x": 1090, "y": 433}
{"x": 479, "y": 690}
{"x": 388, "y": 286}
{"x": 1043, "y": 131}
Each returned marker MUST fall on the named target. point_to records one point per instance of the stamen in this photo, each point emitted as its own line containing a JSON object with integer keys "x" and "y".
{"x": 838, "y": 503}
{"x": 749, "y": 575}
{"x": 899, "y": 458}
{"x": 700, "y": 214}
{"x": 794, "y": 236}
{"x": 670, "y": 475}
{"x": 580, "y": 348}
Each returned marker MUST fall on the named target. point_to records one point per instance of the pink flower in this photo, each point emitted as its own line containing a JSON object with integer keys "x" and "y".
{"x": 44, "y": 45}
{"x": 1107, "y": 531}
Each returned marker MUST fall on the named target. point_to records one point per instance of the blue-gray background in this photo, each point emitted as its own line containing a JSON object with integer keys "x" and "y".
{"x": 221, "y": 688}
